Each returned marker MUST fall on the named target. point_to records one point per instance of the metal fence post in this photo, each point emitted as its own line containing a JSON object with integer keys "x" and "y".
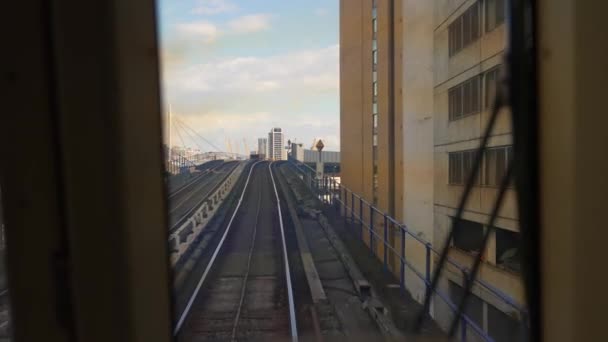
{"x": 352, "y": 208}
{"x": 371, "y": 229}
{"x": 361, "y": 218}
{"x": 332, "y": 190}
{"x": 463, "y": 329}
{"x": 345, "y": 203}
{"x": 402, "y": 271}
{"x": 339, "y": 198}
{"x": 385, "y": 249}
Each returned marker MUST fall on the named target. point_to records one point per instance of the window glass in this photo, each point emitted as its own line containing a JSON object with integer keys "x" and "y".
{"x": 464, "y": 30}
{"x": 475, "y": 22}
{"x": 464, "y": 99}
{"x": 491, "y": 78}
{"x": 456, "y": 172}
{"x": 507, "y": 249}
{"x": 467, "y": 94}
{"x": 475, "y": 305}
{"x": 495, "y": 165}
{"x": 475, "y": 98}
{"x": 468, "y": 236}
{"x": 495, "y": 14}
{"x": 503, "y": 327}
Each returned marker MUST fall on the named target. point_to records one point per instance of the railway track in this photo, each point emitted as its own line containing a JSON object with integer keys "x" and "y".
{"x": 183, "y": 203}
{"x": 242, "y": 289}
{"x": 203, "y": 171}
{"x": 245, "y": 292}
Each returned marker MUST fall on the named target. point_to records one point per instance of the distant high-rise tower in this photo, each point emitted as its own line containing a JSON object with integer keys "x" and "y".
{"x": 262, "y": 147}
{"x": 276, "y": 144}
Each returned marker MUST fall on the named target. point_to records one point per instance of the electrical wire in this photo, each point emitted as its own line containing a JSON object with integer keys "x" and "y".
{"x": 200, "y": 136}
{"x": 191, "y": 137}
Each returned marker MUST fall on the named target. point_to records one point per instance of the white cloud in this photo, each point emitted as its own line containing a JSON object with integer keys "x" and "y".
{"x": 210, "y": 32}
{"x": 205, "y": 30}
{"x": 250, "y": 23}
{"x": 211, "y": 7}
{"x": 242, "y": 97}
{"x": 306, "y": 70}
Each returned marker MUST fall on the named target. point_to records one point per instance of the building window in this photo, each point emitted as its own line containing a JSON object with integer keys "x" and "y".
{"x": 474, "y": 309}
{"x": 496, "y": 161}
{"x": 375, "y": 140}
{"x": 495, "y": 14}
{"x": 375, "y": 86}
{"x": 507, "y": 249}
{"x": 491, "y": 84}
{"x": 464, "y": 30}
{"x": 375, "y": 120}
{"x": 375, "y": 56}
{"x": 503, "y": 327}
{"x": 468, "y": 237}
{"x": 375, "y": 108}
{"x": 464, "y": 99}
{"x": 460, "y": 166}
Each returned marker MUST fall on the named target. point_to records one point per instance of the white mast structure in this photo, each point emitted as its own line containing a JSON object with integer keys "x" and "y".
{"x": 169, "y": 155}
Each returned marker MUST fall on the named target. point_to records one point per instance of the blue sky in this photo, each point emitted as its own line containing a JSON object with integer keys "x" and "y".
{"x": 232, "y": 69}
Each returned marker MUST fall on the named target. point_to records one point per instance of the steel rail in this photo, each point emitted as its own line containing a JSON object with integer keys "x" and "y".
{"x": 193, "y": 181}
{"x": 235, "y": 324}
{"x": 185, "y": 217}
{"x": 184, "y": 314}
{"x": 292, "y": 312}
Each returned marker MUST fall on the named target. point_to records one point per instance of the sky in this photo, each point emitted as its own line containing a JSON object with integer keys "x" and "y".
{"x": 232, "y": 69}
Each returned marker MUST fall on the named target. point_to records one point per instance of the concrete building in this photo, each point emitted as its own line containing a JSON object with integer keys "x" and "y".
{"x": 469, "y": 42}
{"x": 369, "y": 129}
{"x": 262, "y": 148}
{"x": 417, "y": 79}
{"x": 297, "y": 152}
{"x": 310, "y": 156}
{"x": 276, "y": 144}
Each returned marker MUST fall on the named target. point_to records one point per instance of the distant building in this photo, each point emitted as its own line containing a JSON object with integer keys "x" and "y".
{"x": 311, "y": 156}
{"x": 276, "y": 144}
{"x": 297, "y": 151}
{"x": 262, "y": 148}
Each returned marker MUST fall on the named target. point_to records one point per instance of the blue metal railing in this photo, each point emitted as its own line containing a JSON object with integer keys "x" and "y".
{"x": 331, "y": 192}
